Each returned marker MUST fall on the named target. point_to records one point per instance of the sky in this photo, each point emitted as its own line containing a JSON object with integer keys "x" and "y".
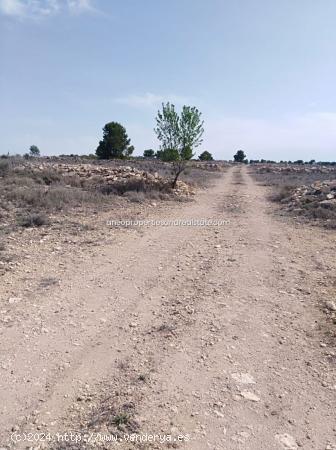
{"x": 262, "y": 72}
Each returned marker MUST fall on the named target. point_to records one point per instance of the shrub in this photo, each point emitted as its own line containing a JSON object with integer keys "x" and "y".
{"x": 136, "y": 185}
{"x": 32, "y": 220}
{"x": 54, "y": 198}
{"x": 323, "y": 213}
{"x": 283, "y": 193}
{"x": 4, "y": 167}
{"x": 135, "y": 197}
{"x": 49, "y": 177}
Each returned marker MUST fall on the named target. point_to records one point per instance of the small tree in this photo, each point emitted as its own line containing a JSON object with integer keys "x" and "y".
{"x": 159, "y": 154}
{"x": 34, "y": 150}
{"x": 167, "y": 127}
{"x": 239, "y": 156}
{"x": 205, "y": 156}
{"x": 115, "y": 142}
{"x": 129, "y": 151}
{"x": 149, "y": 153}
{"x": 191, "y": 129}
{"x": 178, "y": 136}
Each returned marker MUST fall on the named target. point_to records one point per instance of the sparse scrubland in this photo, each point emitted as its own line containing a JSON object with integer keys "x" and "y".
{"x": 305, "y": 191}
{"x": 63, "y": 197}
{"x": 30, "y": 190}
{"x": 153, "y": 296}
{"x": 100, "y": 342}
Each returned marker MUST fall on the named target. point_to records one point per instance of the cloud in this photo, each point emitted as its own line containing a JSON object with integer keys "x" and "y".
{"x": 149, "y": 100}
{"x": 12, "y": 7}
{"x": 80, "y": 6}
{"x": 302, "y": 136}
{"x": 29, "y": 8}
{"x": 36, "y": 9}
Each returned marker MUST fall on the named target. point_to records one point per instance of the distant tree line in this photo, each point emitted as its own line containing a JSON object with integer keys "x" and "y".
{"x": 150, "y": 153}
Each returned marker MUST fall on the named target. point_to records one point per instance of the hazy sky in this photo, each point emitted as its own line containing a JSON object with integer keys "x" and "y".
{"x": 263, "y": 72}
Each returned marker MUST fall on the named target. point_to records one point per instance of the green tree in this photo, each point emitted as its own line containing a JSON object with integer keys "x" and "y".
{"x": 170, "y": 155}
{"x": 187, "y": 153}
{"x": 129, "y": 151}
{"x": 178, "y": 135}
{"x": 190, "y": 129}
{"x": 167, "y": 127}
{"x": 205, "y": 156}
{"x": 239, "y": 156}
{"x": 115, "y": 142}
{"x": 34, "y": 150}
{"x": 149, "y": 153}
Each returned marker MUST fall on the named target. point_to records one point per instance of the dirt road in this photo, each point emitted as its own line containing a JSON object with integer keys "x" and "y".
{"x": 212, "y": 332}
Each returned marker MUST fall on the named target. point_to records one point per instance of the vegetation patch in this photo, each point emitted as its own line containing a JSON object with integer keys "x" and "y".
{"x": 303, "y": 191}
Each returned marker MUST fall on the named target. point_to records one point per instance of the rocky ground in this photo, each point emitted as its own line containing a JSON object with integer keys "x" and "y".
{"x": 295, "y": 168}
{"x": 304, "y": 191}
{"x": 47, "y": 207}
{"x": 218, "y": 337}
{"x": 319, "y": 198}
{"x": 106, "y": 175}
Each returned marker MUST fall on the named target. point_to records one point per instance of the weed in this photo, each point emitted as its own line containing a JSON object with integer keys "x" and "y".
{"x": 121, "y": 419}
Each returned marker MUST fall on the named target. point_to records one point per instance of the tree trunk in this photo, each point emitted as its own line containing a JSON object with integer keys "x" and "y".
{"x": 175, "y": 180}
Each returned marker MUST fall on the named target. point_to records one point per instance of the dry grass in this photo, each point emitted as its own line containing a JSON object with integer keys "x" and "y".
{"x": 28, "y": 196}
{"x": 199, "y": 178}
{"x": 282, "y": 193}
{"x": 290, "y": 179}
{"x": 32, "y": 220}
{"x": 285, "y": 183}
{"x": 134, "y": 185}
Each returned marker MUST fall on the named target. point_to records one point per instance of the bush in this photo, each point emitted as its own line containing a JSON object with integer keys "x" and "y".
{"x": 135, "y": 185}
{"x": 283, "y": 193}
{"x": 4, "y": 167}
{"x": 32, "y": 220}
{"x": 47, "y": 177}
{"x": 53, "y": 198}
{"x": 135, "y": 197}
{"x": 322, "y": 213}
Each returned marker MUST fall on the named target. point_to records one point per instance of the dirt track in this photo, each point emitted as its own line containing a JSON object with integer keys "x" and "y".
{"x": 214, "y": 332}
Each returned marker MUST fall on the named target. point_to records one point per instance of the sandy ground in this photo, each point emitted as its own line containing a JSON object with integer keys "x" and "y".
{"x": 214, "y": 334}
